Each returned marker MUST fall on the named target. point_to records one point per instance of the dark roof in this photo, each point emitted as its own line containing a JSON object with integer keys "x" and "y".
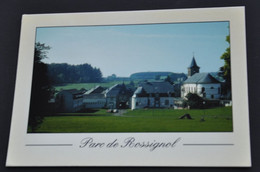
{"x": 97, "y": 89}
{"x": 200, "y": 78}
{"x": 139, "y": 90}
{"x": 156, "y": 87}
{"x": 193, "y": 63}
{"x": 74, "y": 92}
{"x": 114, "y": 90}
{"x": 94, "y": 96}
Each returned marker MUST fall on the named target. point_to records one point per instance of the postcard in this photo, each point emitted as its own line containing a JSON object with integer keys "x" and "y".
{"x": 132, "y": 88}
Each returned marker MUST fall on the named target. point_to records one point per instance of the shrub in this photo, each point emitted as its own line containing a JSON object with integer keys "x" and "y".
{"x": 193, "y": 101}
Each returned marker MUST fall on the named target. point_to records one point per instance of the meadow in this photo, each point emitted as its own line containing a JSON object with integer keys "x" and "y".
{"x": 143, "y": 120}
{"x": 88, "y": 86}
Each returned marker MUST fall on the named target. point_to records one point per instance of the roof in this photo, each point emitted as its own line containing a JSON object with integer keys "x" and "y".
{"x": 114, "y": 90}
{"x": 94, "y": 96}
{"x": 200, "y": 78}
{"x": 139, "y": 90}
{"x": 97, "y": 89}
{"x": 193, "y": 63}
{"x": 74, "y": 92}
{"x": 156, "y": 87}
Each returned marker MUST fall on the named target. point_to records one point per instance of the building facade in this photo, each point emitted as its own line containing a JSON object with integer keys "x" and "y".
{"x": 153, "y": 95}
{"x": 202, "y": 84}
{"x": 94, "y": 98}
{"x": 118, "y": 96}
{"x": 69, "y": 100}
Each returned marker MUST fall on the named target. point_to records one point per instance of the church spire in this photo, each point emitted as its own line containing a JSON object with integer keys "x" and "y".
{"x": 193, "y": 63}
{"x": 193, "y": 68}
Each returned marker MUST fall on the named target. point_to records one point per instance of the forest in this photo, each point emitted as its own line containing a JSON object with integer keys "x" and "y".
{"x": 65, "y": 73}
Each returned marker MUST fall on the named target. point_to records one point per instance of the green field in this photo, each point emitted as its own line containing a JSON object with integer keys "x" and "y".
{"x": 88, "y": 86}
{"x": 144, "y": 120}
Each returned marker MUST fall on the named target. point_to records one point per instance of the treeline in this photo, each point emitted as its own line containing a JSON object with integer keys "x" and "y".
{"x": 158, "y": 75}
{"x": 65, "y": 73}
{"x": 148, "y": 75}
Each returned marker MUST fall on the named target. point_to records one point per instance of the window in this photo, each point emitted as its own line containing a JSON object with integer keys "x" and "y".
{"x": 218, "y": 90}
{"x": 211, "y": 87}
{"x": 203, "y": 89}
{"x": 212, "y": 96}
{"x": 166, "y": 102}
{"x": 136, "y": 103}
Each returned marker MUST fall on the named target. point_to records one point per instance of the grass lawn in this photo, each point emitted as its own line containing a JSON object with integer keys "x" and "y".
{"x": 88, "y": 85}
{"x": 143, "y": 120}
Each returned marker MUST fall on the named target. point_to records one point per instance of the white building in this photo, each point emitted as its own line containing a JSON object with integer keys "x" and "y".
{"x": 117, "y": 96}
{"x": 153, "y": 95}
{"x": 202, "y": 84}
{"x": 94, "y": 98}
{"x": 69, "y": 100}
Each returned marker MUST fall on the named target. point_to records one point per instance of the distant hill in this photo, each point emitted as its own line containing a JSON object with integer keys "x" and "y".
{"x": 154, "y": 75}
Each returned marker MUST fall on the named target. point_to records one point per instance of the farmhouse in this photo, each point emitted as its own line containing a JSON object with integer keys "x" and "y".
{"x": 202, "y": 84}
{"x": 69, "y": 100}
{"x": 94, "y": 98}
{"x": 154, "y": 95}
{"x": 118, "y": 96}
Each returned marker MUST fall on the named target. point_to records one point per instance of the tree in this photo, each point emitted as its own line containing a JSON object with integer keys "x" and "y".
{"x": 168, "y": 79}
{"x": 97, "y": 75}
{"x": 132, "y": 84}
{"x": 65, "y": 73}
{"x": 40, "y": 52}
{"x": 112, "y": 77}
{"x": 41, "y": 90}
{"x": 193, "y": 101}
{"x": 157, "y": 77}
{"x": 225, "y": 71}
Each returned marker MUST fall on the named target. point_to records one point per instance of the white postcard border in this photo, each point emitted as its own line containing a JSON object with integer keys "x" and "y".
{"x": 190, "y": 149}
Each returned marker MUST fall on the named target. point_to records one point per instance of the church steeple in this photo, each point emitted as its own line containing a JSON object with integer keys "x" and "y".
{"x": 193, "y": 68}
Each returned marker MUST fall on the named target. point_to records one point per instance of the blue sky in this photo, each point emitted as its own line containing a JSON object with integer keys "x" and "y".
{"x": 126, "y": 49}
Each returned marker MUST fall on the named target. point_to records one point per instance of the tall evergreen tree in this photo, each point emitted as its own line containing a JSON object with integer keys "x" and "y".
{"x": 41, "y": 90}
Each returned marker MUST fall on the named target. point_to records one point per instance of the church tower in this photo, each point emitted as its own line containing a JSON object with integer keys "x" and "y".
{"x": 193, "y": 68}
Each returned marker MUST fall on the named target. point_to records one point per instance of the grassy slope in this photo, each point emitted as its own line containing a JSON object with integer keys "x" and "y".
{"x": 152, "y": 120}
{"x": 88, "y": 85}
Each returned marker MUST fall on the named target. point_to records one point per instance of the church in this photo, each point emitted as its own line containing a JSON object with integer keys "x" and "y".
{"x": 202, "y": 84}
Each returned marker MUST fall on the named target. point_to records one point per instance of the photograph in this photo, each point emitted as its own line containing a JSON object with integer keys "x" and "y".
{"x": 158, "y": 77}
{"x": 132, "y": 88}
